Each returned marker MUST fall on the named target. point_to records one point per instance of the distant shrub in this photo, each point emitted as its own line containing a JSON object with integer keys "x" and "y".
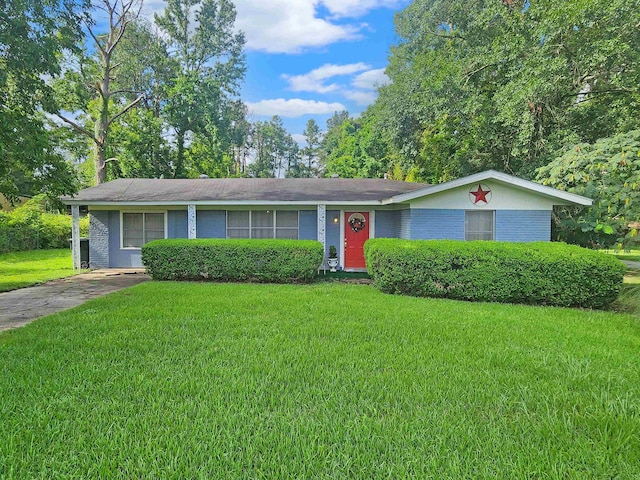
{"x": 31, "y": 227}
{"x": 276, "y": 261}
{"x": 538, "y": 273}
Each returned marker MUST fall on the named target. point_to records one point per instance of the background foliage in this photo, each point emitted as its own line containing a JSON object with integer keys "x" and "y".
{"x": 33, "y": 226}
{"x": 608, "y": 171}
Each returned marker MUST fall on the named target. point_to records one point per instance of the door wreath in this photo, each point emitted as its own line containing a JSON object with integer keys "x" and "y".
{"x": 356, "y": 221}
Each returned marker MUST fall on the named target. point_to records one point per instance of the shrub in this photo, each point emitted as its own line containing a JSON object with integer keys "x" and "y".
{"x": 277, "y": 261}
{"x": 538, "y": 273}
{"x": 31, "y": 227}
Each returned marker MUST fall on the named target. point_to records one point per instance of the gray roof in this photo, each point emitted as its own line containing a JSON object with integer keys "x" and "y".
{"x": 141, "y": 190}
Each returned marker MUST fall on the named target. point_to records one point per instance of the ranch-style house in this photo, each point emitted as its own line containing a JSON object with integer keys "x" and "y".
{"x": 126, "y": 213}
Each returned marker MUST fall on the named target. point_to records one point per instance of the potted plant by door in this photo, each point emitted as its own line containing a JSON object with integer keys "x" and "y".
{"x": 332, "y": 260}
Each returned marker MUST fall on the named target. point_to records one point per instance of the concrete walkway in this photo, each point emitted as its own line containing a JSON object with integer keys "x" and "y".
{"x": 19, "y": 307}
{"x": 631, "y": 265}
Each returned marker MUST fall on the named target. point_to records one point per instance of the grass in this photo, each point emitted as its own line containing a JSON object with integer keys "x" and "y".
{"x": 341, "y": 275}
{"x": 629, "y": 299}
{"x": 22, "y": 269}
{"x": 631, "y": 255}
{"x": 168, "y": 380}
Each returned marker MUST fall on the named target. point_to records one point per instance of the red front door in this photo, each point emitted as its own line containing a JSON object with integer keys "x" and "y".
{"x": 356, "y": 232}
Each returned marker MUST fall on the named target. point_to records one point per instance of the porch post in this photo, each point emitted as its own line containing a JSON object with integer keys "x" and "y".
{"x": 75, "y": 236}
{"x": 322, "y": 225}
{"x": 191, "y": 219}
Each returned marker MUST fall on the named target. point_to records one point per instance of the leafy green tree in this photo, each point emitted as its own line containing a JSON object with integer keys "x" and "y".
{"x": 275, "y": 152}
{"x": 332, "y": 136}
{"x": 296, "y": 167}
{"x": 33, "y": 34}
{"x": 313, "y": 138}
{"x": 139, "y": 145}
{"x": 211, "y": 62}
{"x": 106, "y": 103}
{"x": 507, "y": 84}
{"x": 608, "y": 171}
{"x": 356, "y": 148}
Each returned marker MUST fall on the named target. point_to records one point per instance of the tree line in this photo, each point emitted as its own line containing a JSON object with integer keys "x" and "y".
{"x": 544, "y": 90}
{"x": 90, "y": 91}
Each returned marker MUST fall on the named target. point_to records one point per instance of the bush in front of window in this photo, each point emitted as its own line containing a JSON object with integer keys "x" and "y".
{"x": 274, "y": 261}
{"x": 536, "y": 273}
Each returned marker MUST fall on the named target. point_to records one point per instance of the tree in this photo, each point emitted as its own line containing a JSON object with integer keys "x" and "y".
{"x": 104, "y": 108}
{"x": 332, "y": 136}
{"x": 210, "y": 54}
{"x": 608, "y": 171}
{"x": 275, "y": 152}
{"x": 508, "y": 84}
{"x": 355, "y": 148}
{"x": 138, "y": 139}
{"x": 313, "y": 138}
{"x": 32, "y": 37}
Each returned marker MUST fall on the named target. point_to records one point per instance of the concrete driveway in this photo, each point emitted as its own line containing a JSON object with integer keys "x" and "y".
{"x": 19, "y": 307}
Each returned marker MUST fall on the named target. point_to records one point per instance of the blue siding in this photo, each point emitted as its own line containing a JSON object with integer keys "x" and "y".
{"x": 120, "y": 257}
{"x": 99, "y": 239}
{"x": 404, "y": 224}
{"x": 211, "y": 223}
{"x": 177, "y": 224}
{"x": 308, "y": 224}
{"x": 523, "y": 225}
{"x": 387, "y": 224}
{"x": 333, "y": 232}
{"x": 436, "y": 224}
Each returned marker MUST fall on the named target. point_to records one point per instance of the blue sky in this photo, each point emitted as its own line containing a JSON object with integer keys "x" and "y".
{"x": 308, "y": 58}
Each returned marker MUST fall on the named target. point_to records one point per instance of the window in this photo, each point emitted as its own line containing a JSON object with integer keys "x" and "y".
{"x": 237, "y": 224}
{"x": 287, "y": 224}
{"x": 262, "y": 224}
{"x": 478, "y": 225}
{"x": 140, "y": 228}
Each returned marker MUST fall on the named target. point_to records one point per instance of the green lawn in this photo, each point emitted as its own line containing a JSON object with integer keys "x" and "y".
{"x": 168, "y": 380}
{"x": 632, "y": 255}
{"x": 22, "y": 269}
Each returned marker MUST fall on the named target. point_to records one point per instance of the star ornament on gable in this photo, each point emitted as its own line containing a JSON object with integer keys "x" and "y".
{"x": 480, "y": 194}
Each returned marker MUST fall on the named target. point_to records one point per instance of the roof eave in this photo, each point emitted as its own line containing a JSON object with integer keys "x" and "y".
{"x": 104, "y": 203}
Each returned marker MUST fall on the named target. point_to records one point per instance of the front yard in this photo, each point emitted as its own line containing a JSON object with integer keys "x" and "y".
{"x": 22, "y": 269}
{"x": 330, "y": 380}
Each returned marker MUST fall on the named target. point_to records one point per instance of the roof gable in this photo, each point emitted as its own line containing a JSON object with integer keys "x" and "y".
{"x": 560, "y": 196}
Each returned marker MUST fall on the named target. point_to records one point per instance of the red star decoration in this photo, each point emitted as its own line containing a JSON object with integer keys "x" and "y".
{"x": 481, "y": 195}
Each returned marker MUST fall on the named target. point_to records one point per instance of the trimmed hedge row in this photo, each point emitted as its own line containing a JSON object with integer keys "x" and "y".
{"x": 538, "y": 273}
{"x": 276, "y": 261}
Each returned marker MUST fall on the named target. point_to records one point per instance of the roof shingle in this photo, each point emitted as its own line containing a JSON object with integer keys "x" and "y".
{"x": 134, "y": 190}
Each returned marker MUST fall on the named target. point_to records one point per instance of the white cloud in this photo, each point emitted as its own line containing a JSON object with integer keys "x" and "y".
{"x": 299, "y": 138}
{"x": 294, "y": 107}
{"x": 314, "y": 80}
{"x": 371, "y": 79}
{"x": 149, "y": 7}
{"x": 357, "y": 8}
{"x": 361, "y": 97}
{"x": 291, "y": 26}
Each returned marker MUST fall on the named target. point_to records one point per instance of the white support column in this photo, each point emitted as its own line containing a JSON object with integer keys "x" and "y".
{"x": 75, "y": 236}
{"x": 322, "y": 225}
{"x": 191, "y": 218}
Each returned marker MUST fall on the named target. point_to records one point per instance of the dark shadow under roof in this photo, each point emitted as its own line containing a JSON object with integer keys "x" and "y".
{"x": 135, "y": 190}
